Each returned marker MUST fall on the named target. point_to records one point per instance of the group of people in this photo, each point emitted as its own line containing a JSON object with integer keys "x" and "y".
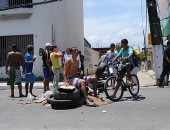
{"x": 70, "y": 63}
{"x": 126, "y": 56}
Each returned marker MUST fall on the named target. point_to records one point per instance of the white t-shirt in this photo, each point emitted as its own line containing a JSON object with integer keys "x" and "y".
{"x": 110, "y": 55}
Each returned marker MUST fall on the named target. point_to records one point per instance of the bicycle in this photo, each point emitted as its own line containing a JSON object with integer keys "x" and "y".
{"x": 115, "y": 86}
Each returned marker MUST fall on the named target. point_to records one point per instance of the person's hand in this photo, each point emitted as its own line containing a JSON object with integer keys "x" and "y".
{"x": 34, "y": 58}
{"x": 7, "y": 72}
{"x": 67, "y": 84}
{"x": 23, "y": 72}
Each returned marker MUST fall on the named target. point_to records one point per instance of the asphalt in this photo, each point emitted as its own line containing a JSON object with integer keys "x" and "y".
{"x": 149, "y": 111}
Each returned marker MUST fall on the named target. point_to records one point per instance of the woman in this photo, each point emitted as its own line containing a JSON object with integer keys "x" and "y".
{"x": 56, "y": 66}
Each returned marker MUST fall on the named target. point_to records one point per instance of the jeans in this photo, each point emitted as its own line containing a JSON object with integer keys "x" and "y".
{"x": 165, "y": 71}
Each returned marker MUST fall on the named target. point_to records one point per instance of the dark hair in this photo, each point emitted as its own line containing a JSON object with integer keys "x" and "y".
{"x": 53, "y": 47}
{"x": 14, "y": 46}
{"x": 124, "y": 41}
{"x": 71, "y": 50}
{"x": 30, "y": 48}
{"x": 112, "y": 44}
{"x": 168, "y": 42}
{"x": 68, "y": 49}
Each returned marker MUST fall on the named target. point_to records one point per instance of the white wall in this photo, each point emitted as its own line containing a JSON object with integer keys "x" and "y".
{"x": 66, "y": 16}
{"x": 91, "y": 59}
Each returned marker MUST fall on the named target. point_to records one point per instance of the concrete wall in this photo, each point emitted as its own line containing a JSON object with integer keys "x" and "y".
{"x": 66, "y": 18}
{"x": 91, "y": 59}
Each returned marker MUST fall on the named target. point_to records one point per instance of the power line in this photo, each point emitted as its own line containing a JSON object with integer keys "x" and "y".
{"x": 25, "y": 5}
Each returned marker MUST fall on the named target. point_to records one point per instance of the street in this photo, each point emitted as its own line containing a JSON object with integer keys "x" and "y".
{"x": 149, "y": 111}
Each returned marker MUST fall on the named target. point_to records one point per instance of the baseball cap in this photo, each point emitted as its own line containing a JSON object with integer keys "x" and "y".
{"x": 48, "y": 44}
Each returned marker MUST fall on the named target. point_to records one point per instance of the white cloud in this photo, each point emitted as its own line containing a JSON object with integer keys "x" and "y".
{"x": 101, "y": 30}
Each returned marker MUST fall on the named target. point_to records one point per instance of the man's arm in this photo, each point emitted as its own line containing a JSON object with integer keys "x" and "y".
{"x": 7, "y": 63}
{"x": 66, "y": 64}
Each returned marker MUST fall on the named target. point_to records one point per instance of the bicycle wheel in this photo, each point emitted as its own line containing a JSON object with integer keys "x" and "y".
{"x": 134, "y": 86}
{"x": 113, "y": 89}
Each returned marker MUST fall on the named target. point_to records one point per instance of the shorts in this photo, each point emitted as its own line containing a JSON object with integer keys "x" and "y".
{"x": 30, "y": 78}
{"x": 14, "y": 76}
{"x": 76, "y": 81}
{"x": 47, "y": 73}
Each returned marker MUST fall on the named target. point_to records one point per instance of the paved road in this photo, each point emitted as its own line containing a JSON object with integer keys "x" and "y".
{"x": 150, "y": 111}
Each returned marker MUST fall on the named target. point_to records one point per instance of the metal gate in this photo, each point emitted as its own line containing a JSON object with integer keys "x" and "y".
{"x": 20, "y": 40}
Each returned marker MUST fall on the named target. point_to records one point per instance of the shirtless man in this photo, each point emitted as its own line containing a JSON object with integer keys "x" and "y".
{"x": 72, "y": 75}
{"x": 14, "y": 60}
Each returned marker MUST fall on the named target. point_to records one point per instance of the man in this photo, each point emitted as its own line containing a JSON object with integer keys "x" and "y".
{"x": 47, "y": 66}
{"x": 56, "y": 67}
{"x": 29, "y": 76}
{"x": 82, "y": 62}
{"x": 110, "y": 55}
{"x": 126, "y": 55}
{"x": 166, "y": 64}
{"x": 14, "y": 61}
{"x": 72, "y": 76}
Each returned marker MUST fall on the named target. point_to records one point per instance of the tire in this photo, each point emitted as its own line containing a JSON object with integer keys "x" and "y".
{"x": 112, "y": 85}
{"x": 67, "y": 95}
{"x": 134, "y": 87}
{"x": 100, "y": 69}
{"x": 62, "y": 104}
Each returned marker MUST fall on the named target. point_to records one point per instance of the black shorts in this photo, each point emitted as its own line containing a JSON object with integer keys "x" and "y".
{"x": 123, "y": 69}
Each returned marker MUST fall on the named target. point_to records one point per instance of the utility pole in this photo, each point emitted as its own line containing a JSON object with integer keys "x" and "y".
{"x": 156, "y": 36}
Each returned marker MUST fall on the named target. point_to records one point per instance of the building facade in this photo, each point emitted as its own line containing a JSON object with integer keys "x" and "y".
{"x": 59, "y": 22}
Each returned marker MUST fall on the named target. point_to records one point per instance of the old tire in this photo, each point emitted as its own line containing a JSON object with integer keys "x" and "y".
{"x": 68, "y": 95}
{"x": 62, "y": 104}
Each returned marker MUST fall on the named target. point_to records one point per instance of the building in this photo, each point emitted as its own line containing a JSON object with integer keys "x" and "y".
{"x": 59, "y": 22}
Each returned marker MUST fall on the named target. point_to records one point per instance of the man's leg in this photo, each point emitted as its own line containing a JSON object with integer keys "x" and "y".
{"x": 93, "y": 80}
{"x": 20, "y": 90}
{"x": 12, "y": 90}
{"x": 128, "y": 70}
{"x": 163, "y": 74}
{"x": 26, "y": 89}
{"x": 46, "y": 84}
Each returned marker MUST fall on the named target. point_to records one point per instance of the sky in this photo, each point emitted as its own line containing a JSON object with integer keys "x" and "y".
{"x": 109, "y": 21}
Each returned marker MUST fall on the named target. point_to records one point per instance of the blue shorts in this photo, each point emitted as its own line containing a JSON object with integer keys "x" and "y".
{"x": 47, "y": 73}
{"x": 30, "y": 78}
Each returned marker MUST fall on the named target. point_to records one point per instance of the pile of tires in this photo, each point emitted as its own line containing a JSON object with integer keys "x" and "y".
{"x": 64, "y": 99}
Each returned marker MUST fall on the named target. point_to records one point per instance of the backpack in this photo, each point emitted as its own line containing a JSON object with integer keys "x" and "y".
{"x": 135, "y": 57}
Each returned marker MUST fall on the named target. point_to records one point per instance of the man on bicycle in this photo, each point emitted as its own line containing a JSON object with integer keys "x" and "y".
{"x": 110, "y": 55}
{"x": 127, "y": 61}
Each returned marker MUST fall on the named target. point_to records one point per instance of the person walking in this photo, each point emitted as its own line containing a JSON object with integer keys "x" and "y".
{"x": 166, "y": 64}
{"x": 14, "y": 61}
{"x": 29, "y": 75}
{"x": 47, "y": 66}
{"x": 56, "y": 66}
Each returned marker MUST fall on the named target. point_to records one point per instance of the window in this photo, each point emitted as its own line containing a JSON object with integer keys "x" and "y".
{"x": 11, "y": 3}
{"x": 20, "y": 40}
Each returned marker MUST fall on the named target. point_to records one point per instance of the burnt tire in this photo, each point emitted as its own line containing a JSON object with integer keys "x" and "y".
{"x": 62, "y": 104}
{"x": 66, "y": 95}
